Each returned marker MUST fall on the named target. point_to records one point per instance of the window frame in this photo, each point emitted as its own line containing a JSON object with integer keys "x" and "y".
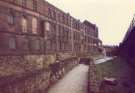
{"x": 11, "y": 19}
{"x": 24, "y": 24}
{"x": 12, "y": 44}
{"x": 35, "y": 3}
{"x": 34, "y": 25}
{"x": 24, "y": 3}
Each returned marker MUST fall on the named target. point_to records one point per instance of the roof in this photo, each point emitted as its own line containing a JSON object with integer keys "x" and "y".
{"x": 86, "y": 22}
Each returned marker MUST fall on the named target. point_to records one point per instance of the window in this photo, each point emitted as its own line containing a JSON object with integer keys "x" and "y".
{"x": 37, "y": 45}
{"x": 47, "y": 26}
{"x": 60, "y": 46}
{"x": 23, "y": 43}
{"x": 35, "y": 5}
{"x": 34, "y": 25}
{"x": 49, "y": 12}
{"x": 12, "y": 43}
{"x": 17, "y": 2}
{"x": 59, "y": 30}
{"x": 24, "y": 3}
{"x": 54, "y": 15}
{"x": 42, "y": 28}
{"x": 48, "y": 45}
{"x": 24, "y": 24}
{"x": 53, "y": 27}
{"x": 10, "y": 19}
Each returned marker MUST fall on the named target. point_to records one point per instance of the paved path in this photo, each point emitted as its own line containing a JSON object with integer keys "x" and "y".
{"x": 74, "y": 82}
{"x": 105, "y": 59}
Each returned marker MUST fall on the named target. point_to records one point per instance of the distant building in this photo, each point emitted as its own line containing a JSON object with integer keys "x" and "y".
{"x": 110, "y": 50}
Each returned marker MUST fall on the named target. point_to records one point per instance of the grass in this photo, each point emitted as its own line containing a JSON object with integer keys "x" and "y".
{"x": 111, "y": 68}
{"x": 116, "y": 68}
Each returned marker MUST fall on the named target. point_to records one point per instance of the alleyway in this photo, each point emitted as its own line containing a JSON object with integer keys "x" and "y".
{"x": 74, "y": 82}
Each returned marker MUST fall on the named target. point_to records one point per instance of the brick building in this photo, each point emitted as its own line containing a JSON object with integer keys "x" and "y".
{"x": 34, "y": 35}
{"x": 37, "y": 27}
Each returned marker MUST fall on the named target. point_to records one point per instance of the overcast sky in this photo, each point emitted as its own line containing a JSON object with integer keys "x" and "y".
{"x": 111, "y": 16}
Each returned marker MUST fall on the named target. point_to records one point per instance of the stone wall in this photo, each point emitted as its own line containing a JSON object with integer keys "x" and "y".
{"x": 26, "y": 83}
{"x": 93, "y": 82}
{"x": 32, "y": 73}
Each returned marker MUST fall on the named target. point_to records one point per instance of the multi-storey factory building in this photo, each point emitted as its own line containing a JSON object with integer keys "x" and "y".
{"x": 37, "y": 27}
{"x": 39, "y": 43}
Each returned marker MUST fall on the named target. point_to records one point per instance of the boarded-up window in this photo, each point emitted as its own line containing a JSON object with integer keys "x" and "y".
{"x": 22, "y": 43}
{"x": 48, "y": 45}
{"x": 10, "y": 19}
{"x": 34, "y": 25}
{"x": 24, "y": 24}
{"x": 12, "y": 43}
{"x": 35, "y": 45}
{"x": 47, "y": 26}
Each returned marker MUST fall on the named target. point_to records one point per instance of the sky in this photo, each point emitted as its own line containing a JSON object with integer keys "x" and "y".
{"x": 112, "y": 17}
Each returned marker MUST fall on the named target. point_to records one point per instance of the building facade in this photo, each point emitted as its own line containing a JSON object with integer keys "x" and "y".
{"x": 37, "y": 27}
{"x": 39, "y": 43}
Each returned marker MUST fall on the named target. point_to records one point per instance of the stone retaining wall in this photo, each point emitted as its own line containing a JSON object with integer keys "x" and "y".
{"x": 30, "y": 74}
{"x": 93, "y": 82}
